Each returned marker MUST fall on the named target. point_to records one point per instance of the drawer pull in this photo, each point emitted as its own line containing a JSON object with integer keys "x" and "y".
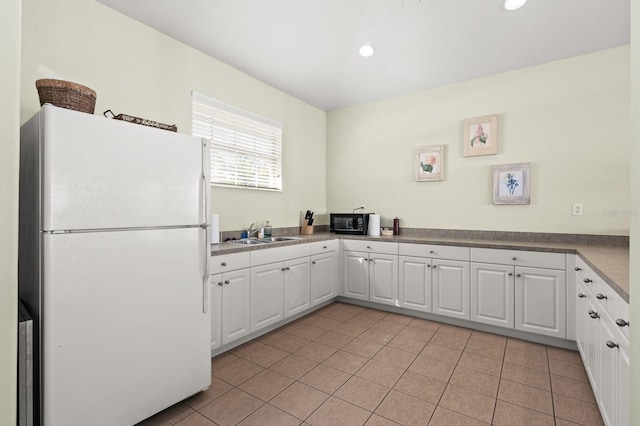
{"x": 518, "y": 275}
{"x": 593, "y": 314}
{"x": 435, "y": 266}
{"x": 369, "y": 247}
{"x": 577, "y": 268}
{"x": 224, "y": 264}
{"x": 287, "y": 269}
{"x": 581, "y": 295}
{"x": 324, "y": 247}
{"x": 282, "y": 269}
{"x": 600, "y": 296}
{"x": 220, "y": 283}
{"x": 227, "y": 282}
{"x": 514, "y": 258}
{"x": 510, "y": 274}
{"x": 611, "y": 344}
{"x": 622, "y": 323}
{"x": 431, "y": 251}
{"x": 428, "y": 266}
{"x": 313, "y": 262}
{"x": 588, "y": 280}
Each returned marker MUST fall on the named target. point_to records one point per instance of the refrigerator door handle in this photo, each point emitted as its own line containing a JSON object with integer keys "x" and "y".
{"x": 205, "y": 277}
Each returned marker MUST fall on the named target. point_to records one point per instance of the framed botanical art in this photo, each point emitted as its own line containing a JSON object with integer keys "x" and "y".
{"x": 511, "y": 183}
{"x": 429, "y": 163}
{"x": 480, "y": 136}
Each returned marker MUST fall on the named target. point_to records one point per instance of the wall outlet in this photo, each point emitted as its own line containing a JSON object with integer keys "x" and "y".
{"x": 577, "y": 209}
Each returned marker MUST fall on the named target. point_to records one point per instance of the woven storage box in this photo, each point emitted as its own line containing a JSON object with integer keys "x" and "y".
{"x": 66, "y": 94}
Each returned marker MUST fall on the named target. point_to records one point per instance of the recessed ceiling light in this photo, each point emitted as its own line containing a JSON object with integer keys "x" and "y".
{"x": 367, "y": 50}
{"x": 514, "y": 4}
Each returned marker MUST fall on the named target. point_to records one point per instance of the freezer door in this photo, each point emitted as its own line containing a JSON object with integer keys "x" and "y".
{"x": 124, "y": 333}
{"x": 99, "y": 173}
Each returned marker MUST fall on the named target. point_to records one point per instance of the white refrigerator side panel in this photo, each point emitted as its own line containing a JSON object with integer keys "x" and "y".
{"x": 125, "y": 334}
{"x": 99, "y": 173}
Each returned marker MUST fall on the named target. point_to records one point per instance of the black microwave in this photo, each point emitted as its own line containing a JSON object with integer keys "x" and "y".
{"x": 349, "y": 223}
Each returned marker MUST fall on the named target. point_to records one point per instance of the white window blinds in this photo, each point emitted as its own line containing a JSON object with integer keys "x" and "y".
{"x": 246, "y": 149}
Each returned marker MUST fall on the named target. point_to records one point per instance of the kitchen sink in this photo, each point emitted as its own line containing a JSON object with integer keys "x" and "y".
{"x": 279, "y": 239}
{"x": 258, "y": 241}
{"x": 248, "y": 241}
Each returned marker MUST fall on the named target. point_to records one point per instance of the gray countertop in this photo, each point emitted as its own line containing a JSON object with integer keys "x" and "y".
{"x": 610, "y": 262}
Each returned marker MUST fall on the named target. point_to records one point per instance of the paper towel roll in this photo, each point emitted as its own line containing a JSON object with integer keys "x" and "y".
{"x": 374, "y": 224}
{"x": 215, "y": 229}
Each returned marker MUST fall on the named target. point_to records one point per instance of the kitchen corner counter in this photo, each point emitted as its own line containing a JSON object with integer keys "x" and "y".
{"x": 611, "y": 262}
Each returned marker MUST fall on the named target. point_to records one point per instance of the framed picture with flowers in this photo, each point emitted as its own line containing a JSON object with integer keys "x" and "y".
{"x": 511, "y": 183}
{"x": 429, "y": 163}
{"x": 480, "y": 136}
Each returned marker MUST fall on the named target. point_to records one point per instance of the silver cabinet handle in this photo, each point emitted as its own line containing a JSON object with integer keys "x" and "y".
{"x": 431, "y": 251}
{"x": 369, "y": 247}
{"x": 581, "y": 295}
{"x": 510, "y": 274}
{"x": 324, "y": 247}
{"x": 577, "y": 268}
{"x": 611, "y": 344}
{"x": 622, "y": 323}
{"x": 518, "y": 275}
{"x": 593, "y": 314}
{"x": 428, "y": 266}
{"x": 588, "y": 280}
{"x": 287, "y": 268}
{"x": 282, "y": 269}
{"x": 313, "y": 262}
{"x": 224, "y": 264}
{"x": 514, "y": 258}
{"x": 600, "y": 296}
{"x": 220, "y": 283}
{"x": 435, "y": 266}
{"x": 227, "y": 282}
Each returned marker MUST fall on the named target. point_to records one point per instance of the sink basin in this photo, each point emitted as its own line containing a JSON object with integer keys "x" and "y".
{"x": 255, "y": 241}
{"x": 279, "y": 239}
{"x": 247, "y": 241}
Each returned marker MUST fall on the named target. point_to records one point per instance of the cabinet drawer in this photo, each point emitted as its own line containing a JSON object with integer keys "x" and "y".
{"x": 534, "y": 259}
{"x": 229, "y": 262}
{"x": 324, "y": 246}
{"x": 279, "y": 254}
{"x": 434, "y": 251}
{"x": 370, "y": 246}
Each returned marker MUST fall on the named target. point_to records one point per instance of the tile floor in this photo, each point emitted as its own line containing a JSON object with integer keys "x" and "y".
{"x": 348, "y": 365}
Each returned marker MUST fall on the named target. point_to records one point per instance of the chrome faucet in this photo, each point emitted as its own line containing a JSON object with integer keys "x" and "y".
{"x": 251, "y": 230}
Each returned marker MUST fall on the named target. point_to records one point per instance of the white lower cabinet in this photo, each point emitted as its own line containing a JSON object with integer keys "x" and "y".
{"x": 355, "y": 275}
{"x": 267, "y": 295}
{"x": 415, "y": 287}
{"x": 450, "y": 280}
{"x": 383, "y": 278}
{"x": 324, "y": 277}
{"x": 540, "y": 301}
{"x": 297, "y": 286}
{"x": 492, "y": 294}
{"x": 215, "y": 308}
{"x": 234, "y": 300}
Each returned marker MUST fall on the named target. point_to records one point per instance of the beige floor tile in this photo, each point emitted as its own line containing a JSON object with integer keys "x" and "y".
{"x": 417, "y": 333}
{"x": 388, "y": 326}
{"x": 266, "y": 385}
{"x": 483, "y": 383}
{"x": 316, "y": 351}
{"x": 572, "y": 370}
{"x": 468, "y": 402}
{"x": 325, "y": 378}
{"x": 323, "y": 322}
{"x": 336, "y": 412}
{"x": 425, "y": 324}
{"x": 492, "y": 339}
{"x": 289, "y": 343}
{"x": 346, "y": 361}
{"x": 266, "y": 356}
{"x": 373, "y": 313}
{"x": 481, "y": 363}
{"x": 526, "y": 396}
{"x": 363, "y": 393}
{"x": 231, "y": 407}
{"x": 222, "y": 360}
{"x": 294, "y": 366}
{"x": 271, "y": 336}
{"x": 434, "y": 368}
{"x": 376, "y": 420}
{"x": 362, "y": 321}
{"x": 398, "y": 318}
{"x": 422, "y": 387}
{"x": 170, "y": 416}
{"x": 378, "y": 337}
{"x": 507, "y": 414}
{"x": 247, "y": 348}
{"x": 334, "y": 339}
{"x": 448, "y": 340}
{"x": 299, "y": 400}
{"x": 216, "y": 389}
{"x": 268, "y": 415}
{"x": 362, "y": 347}
{"x": 238, "y": 371}
{"x": 518, "y": 345}
{"x": 407, "y": 344}
{"x": 564, "y": 355}
{"x": 486, "y": 349}
{"x": 526, "y": 376}
{"x": 453, "y": 330}
{"x": 405, "y": 409}
{"x": 396, "y": 357}
{"x": 441, "y": 353}
{"x": 195, "y": 419}
{"x": 381, "y": 373}
{"x": 305, "y": 331}
{"x": 573, "y": 388}
{"x": 444, "y": 417}
{"x": 527, "y": 360}
{"x": 563, "y": 422}
{"x": 352, "y": 330}
{"x": 575, "y": 410}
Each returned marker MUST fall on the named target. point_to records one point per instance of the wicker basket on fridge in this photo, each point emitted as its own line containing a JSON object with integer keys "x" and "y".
{"x": 66, "y": 94}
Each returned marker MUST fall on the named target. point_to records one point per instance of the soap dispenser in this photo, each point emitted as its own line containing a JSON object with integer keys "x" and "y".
{"x": 267, "y": 230}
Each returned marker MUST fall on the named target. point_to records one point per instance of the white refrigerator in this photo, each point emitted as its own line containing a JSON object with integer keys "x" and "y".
{"x": 113, "y": 266}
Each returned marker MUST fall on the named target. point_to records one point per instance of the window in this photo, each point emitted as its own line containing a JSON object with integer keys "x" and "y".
{"x": 246, "y": 149}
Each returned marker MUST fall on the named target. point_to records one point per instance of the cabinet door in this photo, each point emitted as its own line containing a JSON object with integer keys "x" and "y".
{"x": 623, "y": 383}
{"x": 324, "y": 277}
{"x": 608, "y": 371}
{"x": 592, "y": 337}
{"x": 215, "y": 306}
{"x": 297, "y": 286}
{"x": 355, "y": 277}
{"x": 383, "y": 278}
{"x": 540, "y": 303}
{"x": 235, "y": 305}
{"x": 267, "y": 295}
{"x": 415, "y": 283}
{"x": 580, "y": 296}
{"x": 451, "y": 288}
{"x": 492, "y": 288}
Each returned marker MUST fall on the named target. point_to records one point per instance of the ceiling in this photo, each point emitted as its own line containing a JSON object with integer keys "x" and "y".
{"x": 309, "y": 48}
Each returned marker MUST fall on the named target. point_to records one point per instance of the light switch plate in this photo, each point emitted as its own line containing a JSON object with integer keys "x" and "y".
{"x": 577, "y": 209}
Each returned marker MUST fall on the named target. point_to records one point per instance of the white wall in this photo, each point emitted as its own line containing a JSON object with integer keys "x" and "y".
{"x": 569, "y": 118}
{"x": 9, "y": 158}
{"x": 139, "y": 71}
